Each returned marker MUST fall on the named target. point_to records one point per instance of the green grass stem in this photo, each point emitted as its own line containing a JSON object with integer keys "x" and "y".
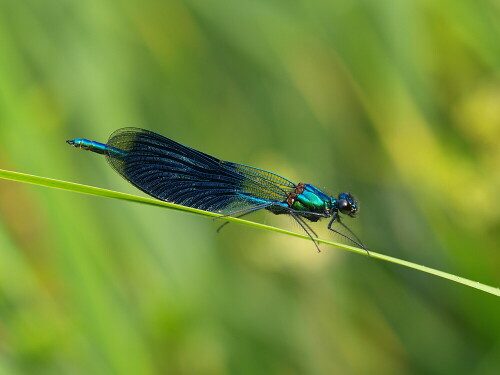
{"x": 90, "y": 190}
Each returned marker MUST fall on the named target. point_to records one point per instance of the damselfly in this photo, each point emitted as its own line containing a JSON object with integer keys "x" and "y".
{"x": 179, "y": 174}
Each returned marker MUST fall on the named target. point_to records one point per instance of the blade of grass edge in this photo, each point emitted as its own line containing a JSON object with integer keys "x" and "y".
{"x": 90, "y": 190}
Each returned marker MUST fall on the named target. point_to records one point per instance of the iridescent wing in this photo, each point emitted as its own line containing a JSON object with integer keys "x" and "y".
{"x": 179, "y": 174}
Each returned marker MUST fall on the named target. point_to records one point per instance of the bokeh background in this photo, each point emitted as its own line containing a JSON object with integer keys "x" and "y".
{"x": 395, "y": 101}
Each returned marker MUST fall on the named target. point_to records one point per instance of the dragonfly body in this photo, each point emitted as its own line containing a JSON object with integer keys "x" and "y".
{"x": 179, "y": 174}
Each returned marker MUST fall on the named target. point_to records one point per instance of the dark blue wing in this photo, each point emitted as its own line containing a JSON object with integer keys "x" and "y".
{"x": 179, "y": 174}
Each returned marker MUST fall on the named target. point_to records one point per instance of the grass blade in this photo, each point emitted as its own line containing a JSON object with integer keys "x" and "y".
{"x": 90, "y": 190}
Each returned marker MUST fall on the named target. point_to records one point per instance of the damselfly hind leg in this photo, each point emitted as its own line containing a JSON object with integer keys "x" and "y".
{"x": 227, "y": 222}
{"x": 295, "y": 215}
{"x": 305, "y": 227}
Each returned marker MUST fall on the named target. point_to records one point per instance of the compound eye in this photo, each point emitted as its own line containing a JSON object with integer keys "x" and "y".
{"x": 344, "y": 206}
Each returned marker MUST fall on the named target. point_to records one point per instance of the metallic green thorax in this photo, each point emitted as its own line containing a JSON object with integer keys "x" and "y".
{"x": 307, "y": 199}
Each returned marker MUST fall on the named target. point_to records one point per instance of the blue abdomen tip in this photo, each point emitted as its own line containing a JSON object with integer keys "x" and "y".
{"x": 97, "y": 147}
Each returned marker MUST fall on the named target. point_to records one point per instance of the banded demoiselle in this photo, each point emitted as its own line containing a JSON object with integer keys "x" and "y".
{"x": 175, "y": 173}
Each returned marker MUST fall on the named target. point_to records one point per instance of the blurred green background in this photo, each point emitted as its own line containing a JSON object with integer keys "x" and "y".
{"x": 395, "y": 101}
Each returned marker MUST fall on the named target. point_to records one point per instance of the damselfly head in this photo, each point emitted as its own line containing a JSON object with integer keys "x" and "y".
{"x": 347, "y": 205}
